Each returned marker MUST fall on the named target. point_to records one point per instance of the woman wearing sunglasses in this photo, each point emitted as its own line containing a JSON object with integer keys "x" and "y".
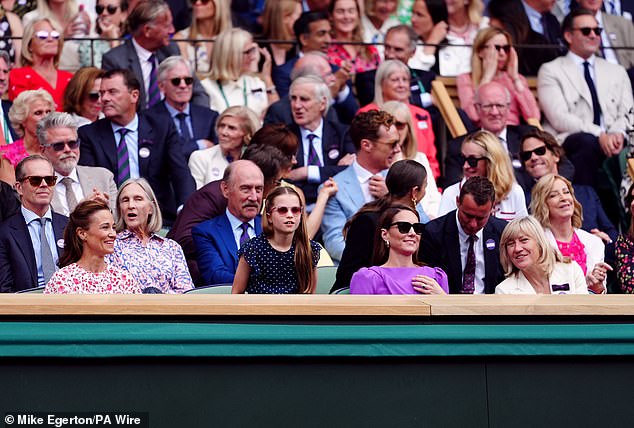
{"x": 111, "y": 16}
{"x": 532, "y": 266}
{"x": 483, "y": 155}
{"x": 82, "y": 99}
{"x": 396, "y": 269}
{"x": 41, "y": 50}
{"x": 27, "y": 110}
{"x": 495, "y": 60}
{"x": 210, "y": 18}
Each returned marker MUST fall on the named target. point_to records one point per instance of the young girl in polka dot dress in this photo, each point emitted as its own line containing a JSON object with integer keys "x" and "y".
{"x": 281, "y": 260}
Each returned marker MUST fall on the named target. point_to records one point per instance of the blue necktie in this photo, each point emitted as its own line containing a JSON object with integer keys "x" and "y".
{"x": 154, "y": 94}
{"x": 123, "y": 161}
{"x": 245, "y": 234}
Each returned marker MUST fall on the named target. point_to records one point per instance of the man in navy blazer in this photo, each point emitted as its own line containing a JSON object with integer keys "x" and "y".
{"x": 195, "y": 124}
{"x": 325, "y": 148}
{"x": 152, "y": 146}
{"x": 445, "y": 240}
{"x": 217, "y": 240}
{"x": 21, "y": 253}
{"x": 151, "y": 27}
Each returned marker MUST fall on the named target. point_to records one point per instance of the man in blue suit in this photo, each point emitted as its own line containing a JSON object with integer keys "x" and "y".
{"x": 217, "y": 240}
{"x": 195, "y": 124}
{"x": 133, "y": 145}
{"x": 26, "y": 259}
{"x": 377, "y": 143}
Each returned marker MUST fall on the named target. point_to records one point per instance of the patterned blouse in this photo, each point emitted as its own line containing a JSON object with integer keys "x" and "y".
{"x": 337, "y": 55}
{"x": 160, "y": 264}
{"x": 575, "y": 250}
{"x": 624, "y": 249}
{"x": 74, "y": 279}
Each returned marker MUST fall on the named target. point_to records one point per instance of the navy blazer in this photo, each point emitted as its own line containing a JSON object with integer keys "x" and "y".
{"x": 336, "y": 143}
{"x": 124, "y": 56}
{"x": 165, "y": 168}
{"x": 18, "y": 270}
{"x": 440, "y": 248}
{"x": 203, "y": 124}
{"x": 6, "y": 105}
{"x": 217, "y": 250}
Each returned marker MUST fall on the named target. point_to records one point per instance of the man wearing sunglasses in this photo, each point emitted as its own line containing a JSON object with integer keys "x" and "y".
{"x": 194, "y": 123}
{"x": 465, "y": 243}
{"x": 31, "y": 241}
{"x": 586, "y": 100}
{"x": 150, "y": 24}
{"x": 57, "y": 134}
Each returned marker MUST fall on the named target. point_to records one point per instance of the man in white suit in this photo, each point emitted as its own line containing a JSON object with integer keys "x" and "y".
{"x": 57, "y": 135}
{"x": 377, "y": 143}
{"x": 586, "y": 100}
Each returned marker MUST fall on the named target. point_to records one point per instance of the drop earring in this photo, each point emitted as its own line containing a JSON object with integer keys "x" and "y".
{"x": 387, "y": 243}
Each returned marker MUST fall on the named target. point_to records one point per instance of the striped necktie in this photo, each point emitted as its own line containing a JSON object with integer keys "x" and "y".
{"x": 154, "y": 95}
{"x": 123, "y": 160}
{"x": 313, "y": 158}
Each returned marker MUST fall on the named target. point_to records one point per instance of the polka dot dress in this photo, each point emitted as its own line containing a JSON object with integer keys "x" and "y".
{"x": 6, "y": 44}
{"x": 272, "y": 271}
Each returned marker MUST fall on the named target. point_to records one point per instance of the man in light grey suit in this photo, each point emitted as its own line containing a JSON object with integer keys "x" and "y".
{"x": 586, "y": 100}
{"x": 57, "y": 135}
{"x": 376, "y": 141}
{"x": 150, "y": 24}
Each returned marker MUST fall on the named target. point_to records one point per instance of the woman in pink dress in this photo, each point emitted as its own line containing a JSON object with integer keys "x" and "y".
{"x": 27, "y": 110}
{"x": 41, "y": 49}
{"x": 88, "y": 237}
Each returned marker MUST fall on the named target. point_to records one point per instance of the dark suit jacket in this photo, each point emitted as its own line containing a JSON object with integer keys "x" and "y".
{"x": 165, "y": 168}
{"x": 530, "y": 58}
{"x": 364, "y": 84}
{"x": 336, "y": 143}
{"x": 124, "y": 56}
{"x": 217, "y": 250}
{"x": 205, "y": 203}
{"x": 9, "y": 201}
{"x": 203, "y": 124}
{"x": 440, "y": 248}
{"x": 6, "y": 105}
{"x": 281, "y": 76}
{"x": 453, "y": 169}
{"x": 18, "y": 270}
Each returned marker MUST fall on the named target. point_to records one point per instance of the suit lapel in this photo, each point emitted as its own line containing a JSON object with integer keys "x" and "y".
{"x": 145, "y": 140}
{"x": 576, "y": 79}
{"x": 603, "y": 85}
{"x": 20, "y": 234}
{"x": 107, "y": 144}
{"x": 351, "y": 188}
{"x": 300, "y": 148}
{"x": 225, "y": 232}
{"x": 59, "y": 224}
{"x": 86, "y": 181}
{"x": 453, "y": 250}
{"x": 491, "y": 259}
{"x": 135, "y": 65}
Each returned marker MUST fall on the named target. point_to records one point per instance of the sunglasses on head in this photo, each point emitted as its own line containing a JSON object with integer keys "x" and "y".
{"x": 404, "y": 227}
{"x": 472, "y": 161}
{"x": 177, "y": 80}
{"x": 59, "y": 146}
{"x": 112, "y": 9}
{"x": 527, "y": 154}
{"x": 36, "y": 180}
{"x": 587, "y": 30}
{"x": 44, "y": 35}
{"x": 505, "y": 48}
{"x": 284, "y": 210}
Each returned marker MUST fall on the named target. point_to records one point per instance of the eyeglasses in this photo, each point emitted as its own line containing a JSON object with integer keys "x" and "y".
{"x": 36, "y": 180}
{"x": 94, "y": 96}
{"x": 59, "y": 146}
{"x": 284, "y": 210}
{"x": 177, "y": 80}
{"x": 587, "y": 30}
{"x": 472, "y": 161}
{"x": 112, "y": 9}
{"x": 404, "y": 227}
{"x": 44, "y": 35}
{"x": 527, "y": 154}
{"x": 201, "y": 1}
{"x": 505, "y": 48}
{"x": 489, "y": 107}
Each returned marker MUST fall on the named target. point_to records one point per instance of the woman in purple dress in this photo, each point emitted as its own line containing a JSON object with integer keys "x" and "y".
{"x": 396, "y": 270}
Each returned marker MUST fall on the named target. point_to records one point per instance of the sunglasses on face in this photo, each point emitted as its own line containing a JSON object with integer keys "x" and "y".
{"x": 44, "y": 35}
{"x": 526, "y": 155}
{"x": 177, "y": 80}
{"x": 400, "y": 125}
{"x": 472, "y": 161}
{"x": 284, "y": 210}
{"x": 505, "y": 48}
{"x": 112, "y": 9}
{"x": 587, "y": 30}
{"x": 201, "y": 1}
{"x": 36, "y": 180}
{"x": 392, "y": 144}
{"x": 94, "y": 96}
{"x": 59, "y": 146}
{"x": 404, "y": 227}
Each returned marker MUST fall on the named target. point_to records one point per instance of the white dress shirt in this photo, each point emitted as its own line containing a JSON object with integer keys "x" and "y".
{"x": 60, "y": 191}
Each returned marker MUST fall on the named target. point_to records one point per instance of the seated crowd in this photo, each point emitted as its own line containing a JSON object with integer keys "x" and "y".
{"x": 143, "y": 164}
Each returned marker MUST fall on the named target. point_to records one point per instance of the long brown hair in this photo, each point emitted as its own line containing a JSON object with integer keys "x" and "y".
{"x": 80, "y": 218}
{"x": 381, "y": 252}
{"x": 303, "y": 252}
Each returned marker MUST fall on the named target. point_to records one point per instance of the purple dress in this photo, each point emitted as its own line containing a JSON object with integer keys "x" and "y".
{"x": 393, "y": 280}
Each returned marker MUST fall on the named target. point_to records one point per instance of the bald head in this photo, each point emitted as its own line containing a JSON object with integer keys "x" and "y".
{"x": 492, "y": 103}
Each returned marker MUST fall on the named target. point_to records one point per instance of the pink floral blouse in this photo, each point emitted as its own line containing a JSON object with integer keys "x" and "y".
{"x": 74, "y": 279}
{"x": 337, "y": 55}
{"x": 575, "y": 250}
{"x": 14, "y": 152}
{"x": 160, "y": 264}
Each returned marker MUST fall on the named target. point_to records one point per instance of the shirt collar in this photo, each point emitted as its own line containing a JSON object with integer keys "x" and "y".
{"x": 173, "y": 112}
{"x": 141, "y": 52}
{"x": 133, "y": 126}
{"x": 362, "y": 174}
{"x": 236, "y": 222}
{"x": 29, "y": 215}
{"x": 532, "y": 13}
{"x": 318, "y": 131}
{"x": 579, "y": 61}
{"x": 73, "y": 176}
